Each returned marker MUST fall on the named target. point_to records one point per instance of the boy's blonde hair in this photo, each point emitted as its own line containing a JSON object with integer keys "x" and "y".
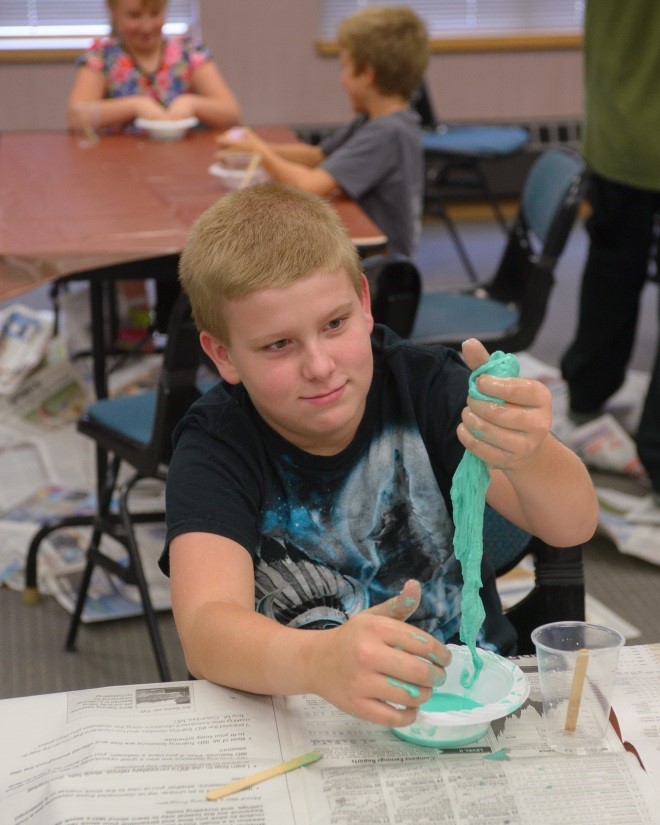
{"x": 261, "y": 237}
{"x": 393, "y": 40}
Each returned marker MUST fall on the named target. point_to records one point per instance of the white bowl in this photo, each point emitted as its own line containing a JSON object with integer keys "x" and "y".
{"x": 500, "y": 688}
{"x": 232, "y": 176}
{"x": 166, "y": 129}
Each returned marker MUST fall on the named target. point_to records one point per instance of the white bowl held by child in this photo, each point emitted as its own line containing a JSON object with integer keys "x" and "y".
{"x": 500, "y": 688}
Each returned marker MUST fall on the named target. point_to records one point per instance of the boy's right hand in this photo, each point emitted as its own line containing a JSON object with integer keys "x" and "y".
{"x": 376, "y": 661}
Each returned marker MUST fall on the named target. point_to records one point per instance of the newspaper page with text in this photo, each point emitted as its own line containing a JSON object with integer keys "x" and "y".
{"x": 149, "y": 753}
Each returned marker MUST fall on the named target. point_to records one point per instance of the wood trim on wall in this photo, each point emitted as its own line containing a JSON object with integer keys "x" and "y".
{"x": 38, "y": 55}
{"x": 330, "y": 48}
{"x": 499, "y": 43}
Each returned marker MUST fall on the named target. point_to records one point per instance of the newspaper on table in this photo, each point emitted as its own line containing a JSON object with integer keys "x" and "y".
{"x": 24, "y": 337}
{"x": 149, "y": 753}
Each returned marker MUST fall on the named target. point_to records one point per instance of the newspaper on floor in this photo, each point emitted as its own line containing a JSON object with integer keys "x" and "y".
{"x": 604, "y": 445}
{"x": 151, "y": 752}
{"x": 24, "y": 336}
{"x": 625, "y": 405}
{"x": 62, "y": 554}
{"x": 619, "y": 519}
{"x": 52, "y": 395}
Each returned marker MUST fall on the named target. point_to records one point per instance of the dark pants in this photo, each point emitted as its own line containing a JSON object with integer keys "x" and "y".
{"x": 621, "y": 234}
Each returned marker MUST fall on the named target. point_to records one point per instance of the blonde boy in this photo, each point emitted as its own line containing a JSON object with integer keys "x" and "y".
{"x": 308, "y": 497}
{"x": 377, "y": 158}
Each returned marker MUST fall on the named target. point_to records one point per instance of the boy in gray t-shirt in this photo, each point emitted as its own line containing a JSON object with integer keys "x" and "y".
{"x": 377, "y": 159}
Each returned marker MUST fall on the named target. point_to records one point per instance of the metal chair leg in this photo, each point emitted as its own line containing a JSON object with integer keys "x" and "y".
{"x": 141, "y": 581}
{"x": 435, "y": 206}
{"x": 76, "y": 618}
{"x": 106, "y": 488}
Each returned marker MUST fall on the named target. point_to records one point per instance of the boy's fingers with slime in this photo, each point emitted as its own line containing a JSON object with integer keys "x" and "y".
{"x": 505, "y": 435}
{"x": 376, "y": 661}
{"x": 403, "y": 605}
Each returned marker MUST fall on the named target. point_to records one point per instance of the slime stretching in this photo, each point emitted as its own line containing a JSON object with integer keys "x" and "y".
{"x": 468, "y": 496}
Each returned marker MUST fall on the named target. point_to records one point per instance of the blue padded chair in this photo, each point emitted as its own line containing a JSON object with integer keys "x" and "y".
{"x": 136, "y": 430}
{"x": 507, "y": 312}
{"x": 558, "y": 592}
{"x": 454, "y": 158}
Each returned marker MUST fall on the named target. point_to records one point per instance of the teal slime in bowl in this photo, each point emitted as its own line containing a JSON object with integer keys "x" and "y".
{"x": 449, "y": 701}
{"x": 454, "y": 715}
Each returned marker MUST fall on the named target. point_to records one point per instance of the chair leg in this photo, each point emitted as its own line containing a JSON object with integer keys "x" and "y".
{"x": 92, "y": 550}
{"x": 436, "y": 206}
{"x": 31, "y": 591}
{"x": 495, "y": 204}
{"x": 141, "y": 581}
{"x": 460, "y": 248}
{"x": 105, "y": 491}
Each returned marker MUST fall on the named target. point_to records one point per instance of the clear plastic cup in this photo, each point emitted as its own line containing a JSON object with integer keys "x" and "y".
{"x": 577, "y": 665}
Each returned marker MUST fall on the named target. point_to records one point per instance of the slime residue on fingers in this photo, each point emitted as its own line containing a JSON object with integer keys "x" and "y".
{"x": 411, "y": 690}
{"x": 468, "y": 496}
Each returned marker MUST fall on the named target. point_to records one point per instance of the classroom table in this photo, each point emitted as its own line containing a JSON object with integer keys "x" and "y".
{"x": 94, "y": 212}
{"x": 66, "y": 207}
{"x": 152, "y": 752}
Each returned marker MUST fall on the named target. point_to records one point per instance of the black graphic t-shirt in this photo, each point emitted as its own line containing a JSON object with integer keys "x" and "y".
{"x": 333, "y": 535}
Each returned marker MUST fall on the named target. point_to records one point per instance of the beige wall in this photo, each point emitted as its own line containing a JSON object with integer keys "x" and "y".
{"x": 266, "y": 52}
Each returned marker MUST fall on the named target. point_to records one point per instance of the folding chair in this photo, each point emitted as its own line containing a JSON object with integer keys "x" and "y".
{"x": 454, "y": 161}
{"x": 135, "y": 430}
{"x": 507, "y": 312}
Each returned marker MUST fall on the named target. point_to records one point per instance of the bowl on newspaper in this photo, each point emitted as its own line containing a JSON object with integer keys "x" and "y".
{"x": 166, "y": 129}
{"x": 235, "y": 170}
{"x": 500, "y": 688}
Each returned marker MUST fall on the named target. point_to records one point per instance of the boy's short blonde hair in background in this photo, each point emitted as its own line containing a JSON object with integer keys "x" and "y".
{"x": 261, "y": 237}
{"x": 393, "y": 40}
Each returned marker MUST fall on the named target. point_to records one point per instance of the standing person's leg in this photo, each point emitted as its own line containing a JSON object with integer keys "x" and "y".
{"x": 648, "y": 433}
{"x": 620, "y": 231}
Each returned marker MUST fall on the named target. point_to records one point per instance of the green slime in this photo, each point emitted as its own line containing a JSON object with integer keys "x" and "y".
{"x": 441, "y": 701}
{"x": 468, "y": 496}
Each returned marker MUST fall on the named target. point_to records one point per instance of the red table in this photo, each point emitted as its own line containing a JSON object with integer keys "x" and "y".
{"x": 66, "y": 208}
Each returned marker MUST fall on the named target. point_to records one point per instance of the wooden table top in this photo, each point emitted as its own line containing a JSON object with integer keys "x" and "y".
{"x": 67, "y": 208}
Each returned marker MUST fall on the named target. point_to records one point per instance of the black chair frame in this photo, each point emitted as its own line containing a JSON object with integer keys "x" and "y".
{"x": 395, "y": 286}
{"x": 558, "y": 593}
{"x": 176, "y": 391}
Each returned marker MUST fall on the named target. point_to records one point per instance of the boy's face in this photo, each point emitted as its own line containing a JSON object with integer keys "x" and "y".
{"x": 304, "y": 355}
{"x": 355, "y": 85}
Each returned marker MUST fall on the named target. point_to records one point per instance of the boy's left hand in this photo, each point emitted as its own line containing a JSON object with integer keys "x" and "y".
{"x": 505, "y": 436}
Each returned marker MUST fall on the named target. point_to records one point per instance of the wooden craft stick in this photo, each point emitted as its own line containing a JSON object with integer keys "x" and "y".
{"x": 269, "y": 773}
{"x": 251, "y": 169}
{"x": 575, "y": 697}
